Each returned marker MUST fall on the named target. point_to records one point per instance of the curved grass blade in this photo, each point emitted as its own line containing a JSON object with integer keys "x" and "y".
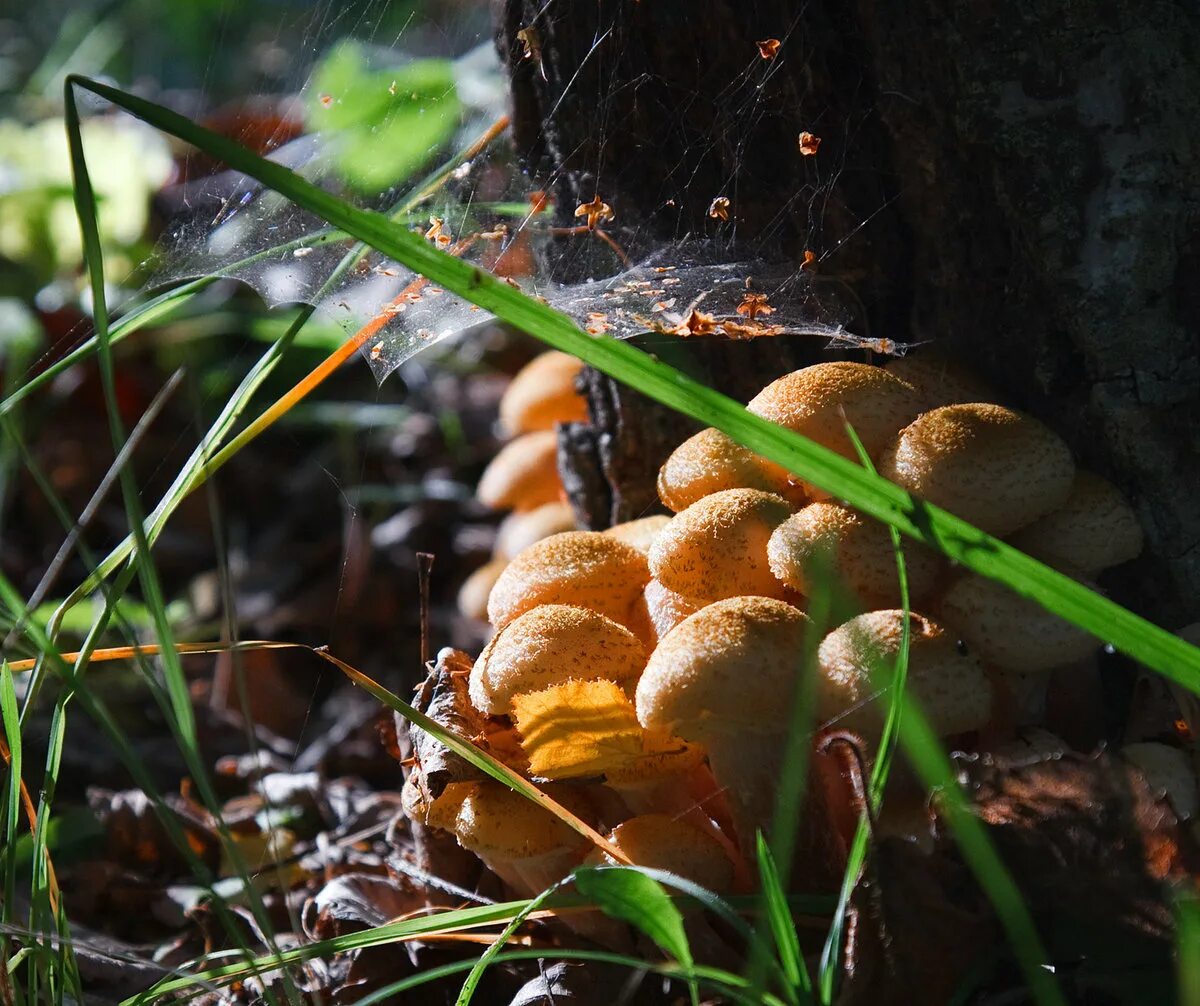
{"x": 839, "y": 477}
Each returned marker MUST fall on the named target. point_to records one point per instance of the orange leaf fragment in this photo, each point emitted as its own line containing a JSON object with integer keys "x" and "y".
{"x": 577, "y": 728}
{"x": 768, "y": 47}
{"x": 809, "y": 144}
{"x": 595, "y": 211}
{"x": 718, "y": 209}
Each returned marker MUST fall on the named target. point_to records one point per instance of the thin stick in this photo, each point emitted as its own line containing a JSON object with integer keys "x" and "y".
{"x": 424, "y": 572}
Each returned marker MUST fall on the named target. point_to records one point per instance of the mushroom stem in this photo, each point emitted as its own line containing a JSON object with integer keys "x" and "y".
{"x": 749, "y": 766}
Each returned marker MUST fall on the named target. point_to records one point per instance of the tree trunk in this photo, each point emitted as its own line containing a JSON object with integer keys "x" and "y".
{"x": 1017, "y": 183}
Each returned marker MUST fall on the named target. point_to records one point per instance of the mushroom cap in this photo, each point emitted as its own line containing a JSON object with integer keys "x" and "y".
{"x": 666, "y": 609}
{"x": 949, "y": 684}
{"x": 439, "y": 812}
{"x": 940, "y": 379}
{"x": 521, "y": 529}
{"x": 819, "y": 400}
{"x": 659, "y": 842}
{"x": 473, "y": 594}
{"x": 584, "y": 568}
{"x": 1168, "y": 770}
{"x": 1009, "y": 632}
{"x": 993, "y": 467}
{"x": 543, "y": 393}
{"x": 1095, "y": 528}
{"x": 717, "y": 547}
{"x": 711, "y": 461}
{"x": 495, "y": 822}
{"x": 730, "y": 668}
{"x": 639, "y": 533}
{"x": 859, "y": 549}
{"x": 548, "y": 645}
{"x": 523, "y": 475}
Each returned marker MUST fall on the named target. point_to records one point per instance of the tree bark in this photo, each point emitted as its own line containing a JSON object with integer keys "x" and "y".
{"x": 1016, "y": 183}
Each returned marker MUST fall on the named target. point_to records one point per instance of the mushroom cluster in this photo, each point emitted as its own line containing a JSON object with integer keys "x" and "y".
{"x": 652, "y": 669}
{"x": 523, "y": 476}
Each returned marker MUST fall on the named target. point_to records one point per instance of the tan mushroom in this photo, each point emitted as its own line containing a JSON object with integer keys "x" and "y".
{"x": 1010, "y": 633}
{"x": 857, "y": 659}
{"x": 542, "y": 394}
{"x": 857, "y": 549}
{"x": 521, "y": 529}
{"x": 584, "y": 568}
{"x": 1169, "y": 772}
{"x": 523, "y": 475}
{"x": 1095, "y": 528}
{"x": 993, "y": 467}
{"x": 940, "y": 379}
{"x": 710, "y": 462}
{"x": 724, "y": 678}
{"x": 550, "y": 644}
{"x": 659, "y": 842}
{"x": 473, "y": 594}
{"x": 818, "y": 401}
{"x": 639, "y": 533}
{"x": 524, "y": 845}
{"x": 717, "y": 547}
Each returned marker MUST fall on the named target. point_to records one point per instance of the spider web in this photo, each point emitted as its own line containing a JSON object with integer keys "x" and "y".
{"x": 481, "y": 208}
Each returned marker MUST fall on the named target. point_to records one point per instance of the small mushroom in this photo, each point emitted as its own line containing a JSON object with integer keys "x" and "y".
{"x": 473, "y": 594}
{"x": 717, "y": 547}
{"x": 724, "y": 678}
{"x": 818, "y": 401}
{"x": 711, "y": 461}
{"x": 639, "y": 533}
{"x": 1095, "y": 528}
{"x": 666, "y": 609}
{"x": 993, "y": 467}
{"x": 1169, "y": 772}
{"x": 949, "y": 684}
{"x": 523, "y": 844}
{"x": 1010, "y": 633}
{"x": 548, "y": 645}
{"x": 659, "y": 842}
{"x": 584, "y": 568}
{"x": 523, "y": 475}
{"x": 543, "y": 393}
{"x": 856, "y": 548}
{"x": 940, "y": 379}
{"x": 521, "y": 529}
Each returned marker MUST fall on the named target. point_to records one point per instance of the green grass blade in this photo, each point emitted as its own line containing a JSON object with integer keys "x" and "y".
{"x": 783, "y": 927}
{"x": 488, "y": 957}
{"x": 841, "y": 478}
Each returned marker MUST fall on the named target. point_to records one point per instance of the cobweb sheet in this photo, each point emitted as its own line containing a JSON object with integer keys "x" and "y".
{"x": 481, "y": 209}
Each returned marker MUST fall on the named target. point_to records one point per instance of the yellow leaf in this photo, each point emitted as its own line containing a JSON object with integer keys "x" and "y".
{"x": 577, "y": 728}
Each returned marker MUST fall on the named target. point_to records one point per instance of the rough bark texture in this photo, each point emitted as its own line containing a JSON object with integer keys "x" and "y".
{"x": 1017, "y": 182}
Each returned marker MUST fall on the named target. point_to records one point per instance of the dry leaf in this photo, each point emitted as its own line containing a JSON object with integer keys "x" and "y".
{"x": 577, "y": 728}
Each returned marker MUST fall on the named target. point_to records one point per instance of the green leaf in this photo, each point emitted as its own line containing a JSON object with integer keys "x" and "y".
{"x": 633, "y": 897}
{"x": 384, "y": 124}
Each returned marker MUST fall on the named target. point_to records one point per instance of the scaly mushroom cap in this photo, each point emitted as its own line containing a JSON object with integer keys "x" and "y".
{"x": 949, "y": 684}
{"x": 993, "y": 467}
{"x": 659, "y": 842}
{"x": 1094, "y": 529}
{"x": 474, "y": 592}
{"x": 818, "y": 401}
{"x": 858, "y": 549}
{"x": 498, "y": 824}
{"x": 440, "y": 812}
{"x": 639, "y": 533}
{"x": 548, "y": 645}
{"x": 1009, "y": 632}
{"x": 543, "y": 393}
{"x": 523, "y": 475}
{"x": 1168, "y": 770}
{"x": 710, "y": 462}
{"x": 521, "y": 529}
{"x": 730, "y": 668}
{"x": 717, "y": 547}
{"x": 940, "y": 379}
{"x": 584, "y": 568}
{"x": 666, "y": 609}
